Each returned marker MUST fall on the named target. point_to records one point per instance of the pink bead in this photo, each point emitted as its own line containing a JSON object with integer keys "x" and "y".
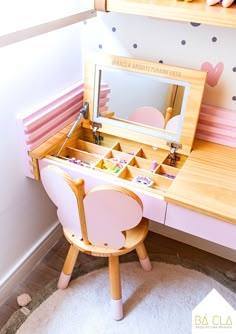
{"x": 154, "y": 165}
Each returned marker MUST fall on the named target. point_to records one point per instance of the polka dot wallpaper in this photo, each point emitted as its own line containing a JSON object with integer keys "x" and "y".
{"x": 192, "y": 45}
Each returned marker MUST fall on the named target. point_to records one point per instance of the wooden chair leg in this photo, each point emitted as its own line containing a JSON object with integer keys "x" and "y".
{"x": 143, "y": 257}
{"x": 115, "y": 288}
{"x": 68, "y": 267}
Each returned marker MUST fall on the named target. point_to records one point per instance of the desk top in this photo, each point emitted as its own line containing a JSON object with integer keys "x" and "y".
{"x": 207, "y": 181}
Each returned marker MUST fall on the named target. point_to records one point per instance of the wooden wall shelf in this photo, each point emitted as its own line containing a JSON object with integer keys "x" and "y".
{"x": 196, "y": 11}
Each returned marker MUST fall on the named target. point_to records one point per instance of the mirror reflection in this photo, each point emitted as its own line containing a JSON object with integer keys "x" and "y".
{"x": 137, "y": 98}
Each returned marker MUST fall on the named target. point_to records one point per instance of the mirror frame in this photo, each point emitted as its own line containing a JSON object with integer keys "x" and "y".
{"x": 194, "y": 79}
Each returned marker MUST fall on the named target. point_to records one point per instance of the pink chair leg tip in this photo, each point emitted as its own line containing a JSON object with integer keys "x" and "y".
{"x": 117, "y": 309}
{"x": 63, "y": 281}
{"x": 146, "y": 264}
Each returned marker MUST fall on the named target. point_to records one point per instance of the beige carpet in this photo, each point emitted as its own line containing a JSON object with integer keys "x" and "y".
{"x": 160, "y": 301}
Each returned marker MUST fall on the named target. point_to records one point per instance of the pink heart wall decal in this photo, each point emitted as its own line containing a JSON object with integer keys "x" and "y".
{"x": 214, "y": 73}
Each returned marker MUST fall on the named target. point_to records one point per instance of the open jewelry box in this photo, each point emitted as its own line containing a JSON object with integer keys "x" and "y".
{"x": 138, "y": 131}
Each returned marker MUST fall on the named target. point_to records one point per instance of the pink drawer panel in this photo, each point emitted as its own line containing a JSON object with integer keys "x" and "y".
{"x": 202, "y": 226}
{"x": 154, "y": 207}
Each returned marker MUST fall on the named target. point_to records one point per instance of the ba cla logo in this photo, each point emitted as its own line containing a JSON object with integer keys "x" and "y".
{"x": 214, "y": 315}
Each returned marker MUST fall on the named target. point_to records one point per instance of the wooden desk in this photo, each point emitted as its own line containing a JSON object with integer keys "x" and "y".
{"x": 201, "y": 201}
{"x": 207, "y": 182}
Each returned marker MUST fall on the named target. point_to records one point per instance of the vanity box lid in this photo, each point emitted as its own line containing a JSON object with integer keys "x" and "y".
{"x": 117, "y": 88}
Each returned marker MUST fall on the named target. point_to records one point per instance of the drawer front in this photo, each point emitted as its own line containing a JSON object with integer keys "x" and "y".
{"x": 154, "y": 206}
{"x": 202, "y": 226}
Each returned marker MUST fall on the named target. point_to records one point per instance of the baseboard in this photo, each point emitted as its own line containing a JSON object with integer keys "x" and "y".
{"x": 208, "y": 246}
{"x": 27, "y": 263}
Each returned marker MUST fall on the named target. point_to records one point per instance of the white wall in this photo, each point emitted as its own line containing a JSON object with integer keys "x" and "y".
{"x": 175, "y": 43}
{"x": 16, "y": 15}
{"x": 30, "y": 72}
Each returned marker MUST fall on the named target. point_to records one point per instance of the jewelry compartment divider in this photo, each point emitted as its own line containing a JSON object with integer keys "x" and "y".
{"x": 91, "y": 148}
{"x": 118, "y": 157}
{"x": 145, "y": 179}
{"x": 167, "y": 171}
{"x": 145, "y": 166}
{"x": 109, "y": 166}
{"x": 126, "y": 146}
{"x": 142, "y": 165}
{"x": 84, "y": 154}
{"x": 150, "y": 168}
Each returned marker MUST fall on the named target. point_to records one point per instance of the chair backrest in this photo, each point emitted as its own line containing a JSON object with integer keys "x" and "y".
{"x": 173, "y": 123}
{"x": 101, "y": 216}
{"x": 148, "y": 116}
{"x": 61, "y": 194}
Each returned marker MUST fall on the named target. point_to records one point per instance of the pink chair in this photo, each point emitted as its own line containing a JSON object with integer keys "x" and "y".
{"x": 172, "y": 124}
{"x": 95, "y": 224}
{"x": 148, "y": 116}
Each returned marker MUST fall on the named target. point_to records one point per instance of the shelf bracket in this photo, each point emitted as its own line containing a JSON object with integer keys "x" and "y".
{"x": 100, "y": 5}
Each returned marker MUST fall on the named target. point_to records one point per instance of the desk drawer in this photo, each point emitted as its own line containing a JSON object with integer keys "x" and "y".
{"x": 202, "y": 226}
{"x": 154, "y": 205}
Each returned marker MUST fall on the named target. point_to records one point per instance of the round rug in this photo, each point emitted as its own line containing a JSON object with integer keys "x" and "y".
{"x": 160, "y": 301}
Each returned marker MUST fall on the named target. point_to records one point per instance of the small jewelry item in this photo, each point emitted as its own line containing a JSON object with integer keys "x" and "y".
{"x": 114, "y": 169}
{"x": 73, "y": 160}
{"x": 119, "y": 162}
{"x": 154, "y": 165}
{"x": 143, "y": 180}
{"x": 169, "y": 176}
{"x": 80, "y": 162}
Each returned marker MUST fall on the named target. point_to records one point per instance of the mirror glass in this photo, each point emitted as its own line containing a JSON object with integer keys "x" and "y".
{"x": 140, "y": 102}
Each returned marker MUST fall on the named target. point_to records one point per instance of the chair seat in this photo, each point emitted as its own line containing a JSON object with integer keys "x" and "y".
{"x": 134, "y": 237}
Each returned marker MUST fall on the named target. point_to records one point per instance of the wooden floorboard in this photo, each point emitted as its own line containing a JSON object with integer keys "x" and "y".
{"x": 49, "y": 268}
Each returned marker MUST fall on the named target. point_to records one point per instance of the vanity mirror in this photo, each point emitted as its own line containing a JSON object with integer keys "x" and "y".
{"x": 151, "y": 102}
